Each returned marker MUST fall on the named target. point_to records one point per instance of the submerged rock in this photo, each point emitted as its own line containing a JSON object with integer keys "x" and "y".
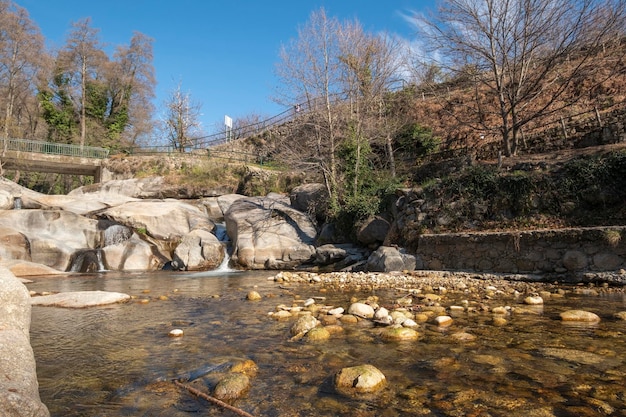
{"x": 359, "y": 379}
{"x": 80, "y": 299}
{"x": 580, "y": 316}
{"x": 232, "y": 386}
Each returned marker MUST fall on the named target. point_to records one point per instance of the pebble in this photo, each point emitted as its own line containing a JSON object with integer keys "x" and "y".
{"x": 175, "y": 333}
{"x": 533, "y": 300}
{"x": 443, "y": 321}
{"x": 253, "y": 296}
{"x": 336, "y": 311}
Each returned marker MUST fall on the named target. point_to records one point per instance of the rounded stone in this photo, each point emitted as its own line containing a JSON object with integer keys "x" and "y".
{"x": 620, "y": 315}
{"x": 397, "y": 334}
{"x": 232, "y": 386}
{"x": 463, "y": 337}
{"x": 443, "y": 321}
{"x": 318, "y": 334}
{"x": 580, "y": 316}
{"x": 282, "y": 314}
{"x": 499, "y": 321}
{"x": 361, "y": 310}
{"x": 359, "y": 379}
{"x": 533, "y": 300}
{"x": 253, "y": 296}
{"x": 304, "y": 324}
{"x": 175, "y": 333}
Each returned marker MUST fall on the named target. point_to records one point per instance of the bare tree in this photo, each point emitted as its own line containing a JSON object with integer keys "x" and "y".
{"x": 181, "y": 123}
{"x": 82, "y": 61}
{"x": 309, "y": 71}
{"x": 22, "y": 55}
{"x": 522, "y": 56}
{"x": 131, "y": 83}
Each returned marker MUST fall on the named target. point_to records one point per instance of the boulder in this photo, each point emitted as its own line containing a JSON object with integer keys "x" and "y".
{"x": 359, "y": 379}
{"x": 225, "y": 201}
{"x": 134, "y": 254}
{"x": 167, "y": 220}
{"x": 213, "y": 209}
{"x": 19, "y": 386}
{"x": 268, "y": 234}
{"x": 232, "y": 386}
{"x": 7, "y": 201}
{"x": 311, "y": 199}
{"x": 341, "y": 255}
{"x": 199, "y": 250}
{"x": 388, "y": 258}
{"x": 140, "y": 188}
{"x": 373, "y": 231}
{"x": 50, "y": 236}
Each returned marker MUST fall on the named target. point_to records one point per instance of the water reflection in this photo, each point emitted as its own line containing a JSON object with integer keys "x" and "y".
{"x": 104, "y": 361}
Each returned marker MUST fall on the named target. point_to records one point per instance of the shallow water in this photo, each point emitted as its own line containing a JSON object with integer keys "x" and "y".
{"x": 104, "y": 361}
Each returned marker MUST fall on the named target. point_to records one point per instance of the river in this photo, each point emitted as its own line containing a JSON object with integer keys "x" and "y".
{"x": 106, "y": 361}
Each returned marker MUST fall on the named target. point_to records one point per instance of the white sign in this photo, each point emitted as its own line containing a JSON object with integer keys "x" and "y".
{"x": 228, "y": 122}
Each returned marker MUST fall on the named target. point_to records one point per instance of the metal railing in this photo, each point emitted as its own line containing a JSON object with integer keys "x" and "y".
{"x": 51, "y": 148}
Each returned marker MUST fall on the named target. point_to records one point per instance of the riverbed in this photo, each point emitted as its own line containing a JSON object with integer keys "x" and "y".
{"x": 118, "y": 360}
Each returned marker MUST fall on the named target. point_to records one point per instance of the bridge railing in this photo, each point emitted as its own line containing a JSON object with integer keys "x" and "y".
{"x": 50, "y": 148}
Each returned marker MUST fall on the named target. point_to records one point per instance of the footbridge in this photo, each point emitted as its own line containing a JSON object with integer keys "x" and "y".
{"x": 60, "y": 158}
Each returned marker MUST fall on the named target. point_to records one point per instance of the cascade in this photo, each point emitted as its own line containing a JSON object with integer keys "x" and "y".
{"x": 17, "y": 203}
{"x": 89, "y": 260}
{"x": 222, "y": 236}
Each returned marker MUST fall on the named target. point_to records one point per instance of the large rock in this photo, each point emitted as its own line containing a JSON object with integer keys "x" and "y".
{"x": 311, "y": 199}
{"x": 199, "y": 250}
{"x": 340, "y": 255}
{"x": 388, "y": 259}
{"x": 18, "y": 385}
{"x": 266, "y": 233}
{"x": 225, "y": 201}
{"x": 51, "y": 237}
{"x": 360, "y": 379}
{"x": 134, "y": 254}
{"x": 141, "y": 188}
{"x": 373, "y": 231}
{"x": 168, "y": 220}
{"x": 80, "y": 299}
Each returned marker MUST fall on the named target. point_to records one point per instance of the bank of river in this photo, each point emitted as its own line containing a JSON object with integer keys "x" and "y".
{"x": 523, "y": 361}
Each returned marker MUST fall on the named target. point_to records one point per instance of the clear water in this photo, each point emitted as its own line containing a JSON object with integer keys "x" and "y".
{"x": 105, "y": 361}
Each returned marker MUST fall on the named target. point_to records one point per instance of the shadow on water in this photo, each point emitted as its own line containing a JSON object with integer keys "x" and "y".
{"x": 119, "y": 361}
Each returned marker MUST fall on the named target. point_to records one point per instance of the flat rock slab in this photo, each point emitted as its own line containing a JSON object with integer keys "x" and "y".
{"x": 79, "y": 299}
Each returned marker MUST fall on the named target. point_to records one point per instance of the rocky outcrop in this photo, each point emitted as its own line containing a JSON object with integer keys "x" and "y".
{"x": 18, "y": 382}
{"x": 107, "y": 229}
{"x": 48, "y": 237}
{"x": 268, "y": 234}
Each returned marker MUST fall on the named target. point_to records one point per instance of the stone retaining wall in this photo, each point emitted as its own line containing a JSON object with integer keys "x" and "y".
{"x": 598, "y": 249}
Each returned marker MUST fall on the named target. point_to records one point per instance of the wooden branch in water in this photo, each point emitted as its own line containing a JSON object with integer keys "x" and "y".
{"x": 213, "y": 400}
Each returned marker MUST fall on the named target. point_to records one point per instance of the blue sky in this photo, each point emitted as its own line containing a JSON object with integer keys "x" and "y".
{"x": 222, "y": 52}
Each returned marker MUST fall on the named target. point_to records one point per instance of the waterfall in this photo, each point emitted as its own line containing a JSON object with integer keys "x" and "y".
{"x": 222, "y": 236}
{"x": 89, "y": 260}
{"x": 17, "y": 203}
